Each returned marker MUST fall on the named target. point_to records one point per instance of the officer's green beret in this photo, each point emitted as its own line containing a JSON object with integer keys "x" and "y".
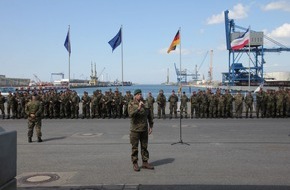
{"x": 137, "y": 91}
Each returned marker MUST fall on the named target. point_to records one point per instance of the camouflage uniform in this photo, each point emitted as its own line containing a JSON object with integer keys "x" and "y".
{"x": 203, "y": 105}
{"x": 228, "y": 104}
{"x": 213, "y": 100}
{"x": 116, "y": 105}
{"x": 45, "y": 103}
{"x": 221, "y": 106}
{"x": 11, "y": 101}
{"x": 139, "y": 129}
{"x": 173, "y": 99}
{"x": 259, "y": 102}
{"x": 86, "y": 105}
{"x": 127, "y": 98}
{"x": 271, "y": 104}
{"x": 33, "y": 110}
{"x": 150, "y": 101}
{"x": 75, "y": 100}
{"x": 193, "y": 105}
{"x": 249, "y": 104}
{"x": 2, "y": 102}
{"x": 94, "y": 104}
{"x": 287, "y": 102}
{"x": 161, "y": 102}
{"x": 183, "y": 105}
{"x": 239, "y": 98}
{"x": 280, "y": 102}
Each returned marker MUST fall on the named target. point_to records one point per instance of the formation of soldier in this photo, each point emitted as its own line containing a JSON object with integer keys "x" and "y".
{"x": 203, "y": 104}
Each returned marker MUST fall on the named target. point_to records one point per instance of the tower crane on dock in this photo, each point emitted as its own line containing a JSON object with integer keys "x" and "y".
{"x": 238, "y": 74}
{"x": 182, "y": 75}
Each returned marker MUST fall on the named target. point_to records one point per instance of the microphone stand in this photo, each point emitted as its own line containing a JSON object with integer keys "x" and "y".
{"x": 180, "y": 131}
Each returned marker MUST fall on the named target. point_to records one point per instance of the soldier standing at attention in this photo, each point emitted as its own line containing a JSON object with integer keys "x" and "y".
{"x": 173, "y": 99}
{"x": 249, "y": 104}
{"x": 150, "y": 101}
{"x": 127, "y": 98}
{"x": 161, "y": 101}
{"x": 193, "y": 105}
{"x": 139, "y": 130}
{"x": 228, "y": 104}
{"x": 239, "y": 98}
{"x": 183, "y": 105}
{"x": 2, "y": 101}
{"x": 259, "y": 102}
{"x": 33, "y": 110}
{"x": 86, "y": 105}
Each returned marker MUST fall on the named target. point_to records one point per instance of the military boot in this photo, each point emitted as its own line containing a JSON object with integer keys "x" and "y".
{"x": 39, "y": 139}
{"x": 29, "y": 139}
{"x": 146, "y": 165}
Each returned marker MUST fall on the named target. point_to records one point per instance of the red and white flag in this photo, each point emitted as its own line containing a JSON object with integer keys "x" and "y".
{"x": 241, "y": 41}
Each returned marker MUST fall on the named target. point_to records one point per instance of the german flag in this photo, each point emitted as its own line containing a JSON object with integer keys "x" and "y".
{"x": 174, "y": 43}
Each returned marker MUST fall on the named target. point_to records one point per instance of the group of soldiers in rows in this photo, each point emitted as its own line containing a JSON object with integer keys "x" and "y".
{"x": 66, "y": 104}
{"x": 206, "y": 104}
{"x": 203, "y": 104}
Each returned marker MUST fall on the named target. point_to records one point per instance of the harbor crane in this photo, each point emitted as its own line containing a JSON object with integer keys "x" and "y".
{"x": 182, "y": 75}
{"x": 238, "y": 74}
{"x": 58, "y": 74}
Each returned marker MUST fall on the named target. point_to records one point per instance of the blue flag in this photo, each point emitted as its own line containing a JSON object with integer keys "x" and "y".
{"x": 67, "y": 43}
{"x": 116, "y": 41}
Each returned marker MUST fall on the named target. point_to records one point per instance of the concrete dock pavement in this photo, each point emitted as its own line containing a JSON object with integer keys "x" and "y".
{"x": 95, "y": 154}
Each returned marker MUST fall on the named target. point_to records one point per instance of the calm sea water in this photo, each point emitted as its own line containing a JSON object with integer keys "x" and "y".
{"x": 154, "y": 89}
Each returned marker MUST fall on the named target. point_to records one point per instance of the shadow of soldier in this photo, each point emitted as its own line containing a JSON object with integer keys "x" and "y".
{"x": 162, "y": 162}
{"x": 54, "y": 138}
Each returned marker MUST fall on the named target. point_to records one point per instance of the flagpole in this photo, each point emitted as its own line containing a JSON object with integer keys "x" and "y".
{"x": 122, "y": 59}
{"x": 69, "y": 59}
{"x": 180, "y": 55}
{"x": 249, "y": 58}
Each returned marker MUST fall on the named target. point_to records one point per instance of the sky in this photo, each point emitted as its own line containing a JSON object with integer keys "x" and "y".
{"x": 32, "y": 35}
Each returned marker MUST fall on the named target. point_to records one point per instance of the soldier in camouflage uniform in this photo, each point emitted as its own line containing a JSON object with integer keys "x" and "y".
{"x": 239, "y": 99}
{"x": 173, "y": 99}
{"x": 141, "y": 127}
{"x": 259, "y": 102}
{"x": 249, "y": 104}
{"x": 86, "y": 100}
{"x": 161, "y": 102}
{"x": 116, "y": 105}
{"x": 33, "y": 110}
{"x": 221, "y": 106}
{"x": 280, "y": 102}
{"x": 2, "y": 102}
{"x": 228, "y": 104}
{"x": 45, "y": 103}
{"x": 203, "y": 105}
{"x": 183, "y": 105}
{"x": 271, "y": 97}
{"x": 287, "y": 103}
{"x": 212, "y": 105}
{"x": 75, "y": 100}
{"x": 20, "y": 103}
{"x": 62, "y": 103}
{"x": 150, "y": 101}
{"x": 193, "y": 105}
{"x": 127, "y": 98}
{"x": 94, "y": 104}
{"x": 11, "y": 105}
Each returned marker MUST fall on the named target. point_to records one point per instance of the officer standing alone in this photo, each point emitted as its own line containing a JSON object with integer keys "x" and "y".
{"x": 139, "y": 130}
{"x": 33, "y": 111}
